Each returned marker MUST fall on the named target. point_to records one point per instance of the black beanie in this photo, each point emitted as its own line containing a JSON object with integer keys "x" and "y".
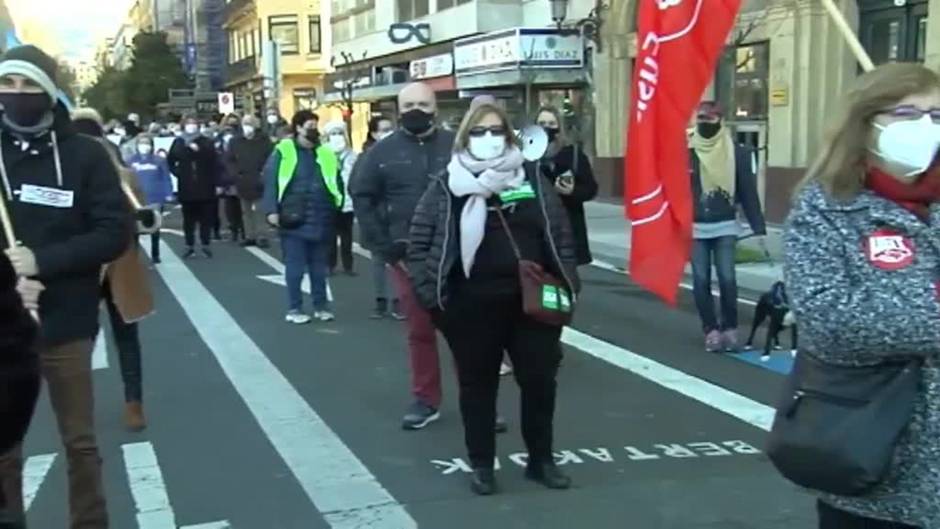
{"x": 33, "y": 63}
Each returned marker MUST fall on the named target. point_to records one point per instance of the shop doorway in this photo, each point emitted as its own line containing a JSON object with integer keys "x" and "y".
{"x": 894, "y": 30}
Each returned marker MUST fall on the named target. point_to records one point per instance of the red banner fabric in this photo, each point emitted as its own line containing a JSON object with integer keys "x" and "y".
{"x": 679, "y": 45}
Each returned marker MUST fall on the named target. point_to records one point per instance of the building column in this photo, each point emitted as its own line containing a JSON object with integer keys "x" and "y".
{"x": 933, "y": 35}
{"x": 612, "y": 84}
{"x": 811, "y": 67}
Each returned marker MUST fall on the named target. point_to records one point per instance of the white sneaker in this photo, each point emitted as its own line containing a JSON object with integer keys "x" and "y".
{"x": 324, "y": 315}
{"x": 505, "y": 369}
{"x": 297, "y": 317}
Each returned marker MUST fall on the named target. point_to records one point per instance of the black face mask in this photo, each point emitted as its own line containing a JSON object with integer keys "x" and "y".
{"x": 313, "y": 136}
{"x": 417, "y": 121}
{"x": 552, "y": 133}
{"x": 25, "y": 109}
{"x": 708, "y": 130}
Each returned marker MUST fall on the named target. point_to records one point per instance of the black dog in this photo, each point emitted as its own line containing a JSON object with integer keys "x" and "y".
{"x": 775, "y": 305}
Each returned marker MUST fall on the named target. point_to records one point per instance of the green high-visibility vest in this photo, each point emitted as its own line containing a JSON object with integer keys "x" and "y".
{"x": 326, "y": 159}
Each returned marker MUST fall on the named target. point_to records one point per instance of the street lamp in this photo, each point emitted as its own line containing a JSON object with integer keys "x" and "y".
{"x": 559, "y": 11}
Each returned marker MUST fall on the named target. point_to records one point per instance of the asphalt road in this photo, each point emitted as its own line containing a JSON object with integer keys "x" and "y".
{"x": 256, "y": 424}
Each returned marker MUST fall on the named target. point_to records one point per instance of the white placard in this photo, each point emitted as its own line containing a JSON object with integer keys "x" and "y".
{"x": 226, "y": 103}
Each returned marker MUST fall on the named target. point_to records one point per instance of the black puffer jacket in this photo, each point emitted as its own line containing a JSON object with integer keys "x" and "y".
{"x": 90, "y": 224}
{"x": 19, "y": 366}
{"x": 388, "y": 182}
{"x": 434, "y": 250}
{"x": 573, "y": 159}
{"x": 198, "y": 172}
{"x": 245, "y": 159}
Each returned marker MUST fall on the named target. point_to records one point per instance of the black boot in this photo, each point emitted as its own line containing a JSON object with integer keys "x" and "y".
{"x": 548, "y": 474}
{"x": 381, "y": 309}
{"x": 483, "y": 481}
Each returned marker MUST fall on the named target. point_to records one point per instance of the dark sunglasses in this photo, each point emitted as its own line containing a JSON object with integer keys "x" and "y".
{"x": 497, "y": 130}
{"x": 911, "y": 112}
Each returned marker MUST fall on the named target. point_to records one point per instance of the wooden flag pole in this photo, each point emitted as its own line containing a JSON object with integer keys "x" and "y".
{"x": 9, "y": 234}
{"x": 850, "y": 37}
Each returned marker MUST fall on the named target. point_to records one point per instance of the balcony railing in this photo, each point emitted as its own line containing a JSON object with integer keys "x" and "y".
{"x": 242, "y": 70}
{"x": 234, "y": 7}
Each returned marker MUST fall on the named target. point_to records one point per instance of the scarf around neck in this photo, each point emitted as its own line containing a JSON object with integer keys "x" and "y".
{"x": 716, "y": 162}
{"x": 916, "y": 197}
{"x": 479, "y": 180}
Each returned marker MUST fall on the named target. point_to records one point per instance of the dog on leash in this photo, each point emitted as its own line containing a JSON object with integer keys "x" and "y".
{"x": 775, "y": 306}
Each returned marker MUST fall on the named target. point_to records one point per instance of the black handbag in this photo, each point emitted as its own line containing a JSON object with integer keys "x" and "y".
{"x": 837, "y": 427}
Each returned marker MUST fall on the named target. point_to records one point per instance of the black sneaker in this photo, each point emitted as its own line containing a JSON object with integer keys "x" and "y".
{"x": 548, "y": 474}
{"x": 207, "y": 252}
{"x": 381, "y": 309}
{"x": 189, "y": 253}
{"x": 247, "y": 242}
{"x": 483, "y": 481}
{"x": 419, "y": 415}
{"x": 156, "y": 260}
{"x": 263, "y": 243}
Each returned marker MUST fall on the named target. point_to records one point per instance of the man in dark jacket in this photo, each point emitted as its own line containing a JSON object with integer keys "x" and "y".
{"x": 245, "y": 158}
{"x": 71, "y": 218}
{"x": 386, "y": 188}
{"x": 723, "y": 178}
{"x": 19, "y": 367}
{"x": 194, "y": 161}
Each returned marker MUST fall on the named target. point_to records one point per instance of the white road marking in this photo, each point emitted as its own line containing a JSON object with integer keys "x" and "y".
{"x": 280, "y": 280}
{"x": 210, "y": 525}
{"x": 610, "y": 267}
{"x": 147, "y": 487}
{"x": 35, "y": 471}
{"x": 99, "y": 356}
{"x": 721, "y": 399}
{"x": 335, "y": 480}
{"x": 278, "y": 267}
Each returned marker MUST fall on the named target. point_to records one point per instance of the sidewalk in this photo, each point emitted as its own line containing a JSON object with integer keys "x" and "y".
{"x": 609, "y": 233}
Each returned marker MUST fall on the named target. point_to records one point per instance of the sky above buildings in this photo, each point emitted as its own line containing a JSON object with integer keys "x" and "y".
{"x": 71, "y": 29}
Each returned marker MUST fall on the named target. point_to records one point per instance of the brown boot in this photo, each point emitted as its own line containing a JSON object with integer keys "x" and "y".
{"x": 134, "y": 416}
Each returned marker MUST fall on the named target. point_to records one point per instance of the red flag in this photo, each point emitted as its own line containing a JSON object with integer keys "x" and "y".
{"x": 679, "y": 45}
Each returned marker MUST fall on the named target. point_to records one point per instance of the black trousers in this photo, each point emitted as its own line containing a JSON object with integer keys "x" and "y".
{"x": 480, "y": 325}
{"x": 233, "y": 214}
{"x": 127, "y": 339}
{"x": 344, "y": 232}
{"x": 200, "y": 213}
{"x": 833, "y": 518}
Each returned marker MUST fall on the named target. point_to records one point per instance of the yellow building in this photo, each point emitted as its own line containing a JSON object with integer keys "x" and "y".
{"x": 141, "y": 15}
{"x": 295, "y": 79}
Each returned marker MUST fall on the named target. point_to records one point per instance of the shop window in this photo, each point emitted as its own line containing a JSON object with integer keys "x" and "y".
{"x": 412, "y": 9}
{"x": 283, "y": 29}
{"x": 305, "y": 98}
{"x": 893, "y": 31}
{"x": 742, "y": 81}
{"x": 314, "y": 28}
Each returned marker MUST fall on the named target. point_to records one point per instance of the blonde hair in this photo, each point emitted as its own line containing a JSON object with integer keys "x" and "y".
{"x": 474, "y": 116}
{"x": 840, "y": 166}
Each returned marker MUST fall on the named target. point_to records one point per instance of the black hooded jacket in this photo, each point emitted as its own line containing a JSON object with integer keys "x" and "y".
{"x": 71, "y": 212}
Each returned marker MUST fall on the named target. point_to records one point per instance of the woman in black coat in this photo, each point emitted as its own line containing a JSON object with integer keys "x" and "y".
{"x": 19, "y": 367}
{"x": 569, "y": 168}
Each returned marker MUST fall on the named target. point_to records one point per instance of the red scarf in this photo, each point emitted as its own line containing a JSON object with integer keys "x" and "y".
{"x": 915, "y": 197}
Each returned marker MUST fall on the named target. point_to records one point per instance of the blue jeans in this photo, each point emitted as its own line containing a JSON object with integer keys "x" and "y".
{"x": 305, "y": 256}
{"x": 720, "y": 253}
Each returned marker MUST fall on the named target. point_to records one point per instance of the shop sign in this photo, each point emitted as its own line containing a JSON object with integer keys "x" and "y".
{"x": 780, "y": 97}
{"x": 519, "y": 48}
{"x": 430, "y": 67}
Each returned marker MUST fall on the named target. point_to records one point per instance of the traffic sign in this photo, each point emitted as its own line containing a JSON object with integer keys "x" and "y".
{"x": 226, "y": 103}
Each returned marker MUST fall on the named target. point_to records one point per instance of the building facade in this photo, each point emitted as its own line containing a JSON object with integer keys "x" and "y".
{"x": 122, "y": 46}
{"x": 291, "y": 80}
{"x": 461, "y": 48}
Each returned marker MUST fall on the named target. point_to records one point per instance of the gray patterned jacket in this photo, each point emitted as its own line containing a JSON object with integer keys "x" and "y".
{"x": 862, "y": 276}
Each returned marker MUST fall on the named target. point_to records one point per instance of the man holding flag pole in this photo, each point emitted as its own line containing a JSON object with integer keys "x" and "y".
{"x": 65, "y": 217}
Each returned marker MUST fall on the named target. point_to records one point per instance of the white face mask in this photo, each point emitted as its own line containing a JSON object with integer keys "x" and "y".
{"x": 272, "y": 119}
{"x": 144, "y": 148}
{"x": 191, "y": 128}
{"x": 248, "y": 130}
{"x": 337, "y": 142}
{"x": 910, "y": 145}
{"x": 487, "y": 147}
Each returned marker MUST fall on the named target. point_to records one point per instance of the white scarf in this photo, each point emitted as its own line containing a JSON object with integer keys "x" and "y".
{"x": 494, "y": 176}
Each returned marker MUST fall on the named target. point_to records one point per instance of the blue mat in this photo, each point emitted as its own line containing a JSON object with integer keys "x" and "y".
{"x": 779, "y": 361}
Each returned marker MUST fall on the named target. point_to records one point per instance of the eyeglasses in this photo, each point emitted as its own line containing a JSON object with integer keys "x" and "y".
{"x": 912, "y": 113}
{"x": 497, "y": 130}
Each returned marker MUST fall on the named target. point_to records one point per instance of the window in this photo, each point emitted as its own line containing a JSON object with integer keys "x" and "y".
{"x": 447, "y": 4}
{"x": 742, "y": 81}
{"x": 283, "y": 30}
{"x": 341, "y": 31}
{"x": 314, "y": 28}
{"x": 364, "y": 22}
{"x": 920, "y": 53}
{"x": 412, "y": 9}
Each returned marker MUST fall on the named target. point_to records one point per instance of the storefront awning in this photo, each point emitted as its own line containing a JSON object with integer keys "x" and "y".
{"x": 522, "y": 77}
{"x": 377, "y": 93}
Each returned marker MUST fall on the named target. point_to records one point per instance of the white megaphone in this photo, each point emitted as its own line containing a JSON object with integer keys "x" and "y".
{"x": 534, "y": 142}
